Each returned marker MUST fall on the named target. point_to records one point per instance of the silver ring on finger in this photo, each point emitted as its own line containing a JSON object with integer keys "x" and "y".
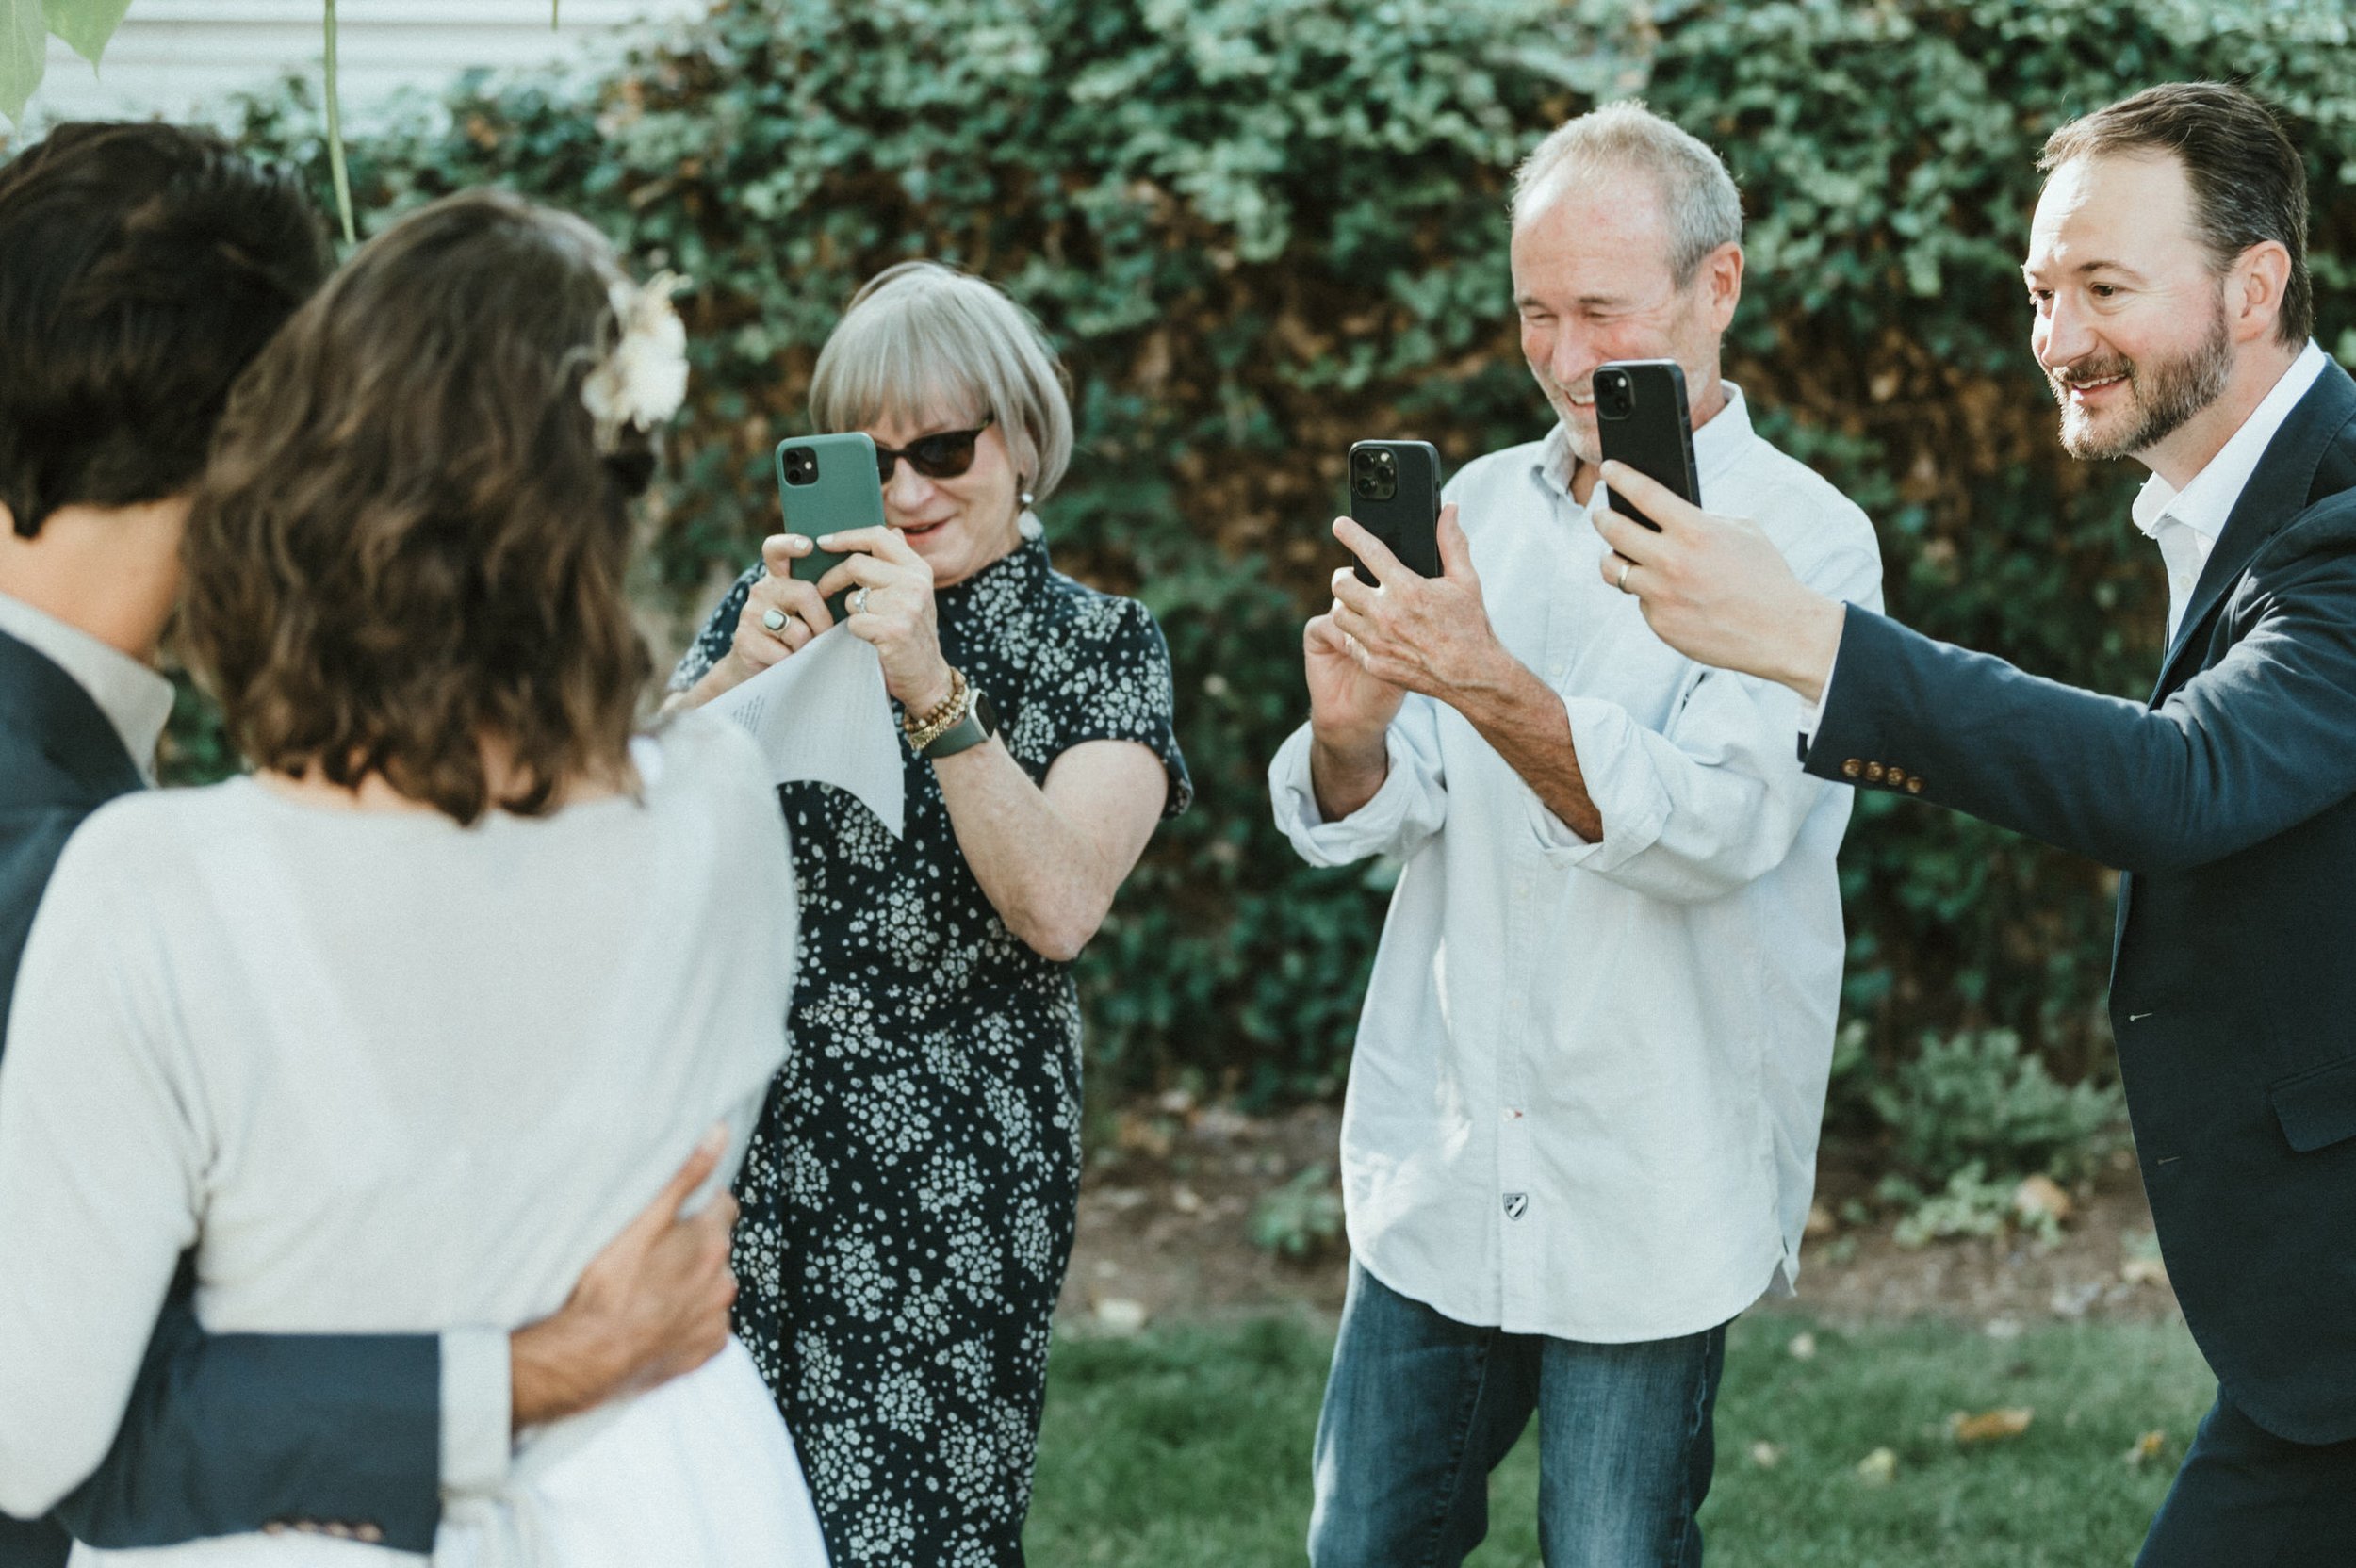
{"x": 856, "y": 603}
{"x": 777, "y": 620}
{"x": 1626, "y": 567}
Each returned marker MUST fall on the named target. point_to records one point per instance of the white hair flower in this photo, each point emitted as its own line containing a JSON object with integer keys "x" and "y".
{"x": 643, "y": 379}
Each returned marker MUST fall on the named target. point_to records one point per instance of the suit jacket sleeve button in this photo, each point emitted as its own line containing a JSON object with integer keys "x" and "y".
{"x": 1874, "y": 773}
{"x": 1914, "y": 786}
{"x": 1851, "y": 768}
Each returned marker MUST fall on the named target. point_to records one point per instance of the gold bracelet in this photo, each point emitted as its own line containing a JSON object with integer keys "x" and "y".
{"x": 923, "y": 731}
{"x": 924, "y": 738}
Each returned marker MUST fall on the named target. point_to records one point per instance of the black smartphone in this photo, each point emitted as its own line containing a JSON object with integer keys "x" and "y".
{"x": 1640, "y": 410}
{"x": 827, "y": 484}
{"x": 1394, "y": 496}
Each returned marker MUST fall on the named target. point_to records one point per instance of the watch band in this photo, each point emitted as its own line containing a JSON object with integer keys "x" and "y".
{"x": 978, "y": 724}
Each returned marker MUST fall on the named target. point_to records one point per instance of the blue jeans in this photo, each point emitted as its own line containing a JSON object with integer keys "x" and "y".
{"x": 1420, "y": 1409}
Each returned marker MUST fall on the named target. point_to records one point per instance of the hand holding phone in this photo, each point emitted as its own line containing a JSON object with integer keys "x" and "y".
{"x": 827, "y": 484}
{"x": 1641, "y": 411}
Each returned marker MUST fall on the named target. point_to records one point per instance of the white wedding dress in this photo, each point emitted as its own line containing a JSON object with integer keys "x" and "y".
{"x": 387, "y": 1074}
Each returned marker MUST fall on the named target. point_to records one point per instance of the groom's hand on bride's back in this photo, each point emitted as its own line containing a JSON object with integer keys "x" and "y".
{"x": 653, "y": 1304}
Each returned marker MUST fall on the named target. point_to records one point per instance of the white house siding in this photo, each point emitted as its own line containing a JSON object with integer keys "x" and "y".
{"x": 184, "y": 58}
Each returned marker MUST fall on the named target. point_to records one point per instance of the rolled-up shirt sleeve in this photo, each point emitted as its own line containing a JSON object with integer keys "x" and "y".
{"x": 1714, "y": 799}
{"x": 477, "y": 1412}
{"x": 1411, "y": 806}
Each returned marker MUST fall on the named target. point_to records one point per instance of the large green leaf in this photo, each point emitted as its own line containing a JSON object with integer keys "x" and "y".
{"x": 24, "y": 53}
{"x": 85, "y": 24}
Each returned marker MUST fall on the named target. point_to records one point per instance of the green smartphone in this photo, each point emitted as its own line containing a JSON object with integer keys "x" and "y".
{"x": 827, "y": 484}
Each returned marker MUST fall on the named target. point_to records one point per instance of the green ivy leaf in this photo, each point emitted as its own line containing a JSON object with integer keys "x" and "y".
{"x": 85, "y": 24}
{"x": 24, "y": 53}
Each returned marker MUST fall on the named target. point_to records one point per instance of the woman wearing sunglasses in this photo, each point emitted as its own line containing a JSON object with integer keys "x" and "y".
{"x": 910, "y": 1195}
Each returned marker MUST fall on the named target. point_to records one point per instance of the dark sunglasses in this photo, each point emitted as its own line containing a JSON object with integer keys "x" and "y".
{"x": 943, "y": 455}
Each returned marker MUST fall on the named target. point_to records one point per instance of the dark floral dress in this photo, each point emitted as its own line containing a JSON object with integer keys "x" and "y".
{"x": 910, "y": 1195}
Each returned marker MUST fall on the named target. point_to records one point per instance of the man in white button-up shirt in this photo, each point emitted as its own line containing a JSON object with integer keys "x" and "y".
{"x": 1582, "y": 1114}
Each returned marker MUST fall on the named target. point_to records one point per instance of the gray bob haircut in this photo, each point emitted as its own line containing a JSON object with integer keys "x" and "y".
{"x": 1697, "y": 195}
{"x": 922, "y": 342}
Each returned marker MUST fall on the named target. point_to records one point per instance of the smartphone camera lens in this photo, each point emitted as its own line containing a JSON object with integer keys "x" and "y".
{"x": 1374, "y": 474}
{"x": 1614, "y": 398}
{"x": 801, "y": 465}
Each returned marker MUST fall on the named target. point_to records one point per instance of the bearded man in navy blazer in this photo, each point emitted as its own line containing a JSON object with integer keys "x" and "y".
{"x": 2168, "y": 271}
{"x": 141, "y": 266}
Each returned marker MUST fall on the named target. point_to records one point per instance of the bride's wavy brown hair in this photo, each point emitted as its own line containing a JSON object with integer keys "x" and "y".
{"x": 407, "y": 542}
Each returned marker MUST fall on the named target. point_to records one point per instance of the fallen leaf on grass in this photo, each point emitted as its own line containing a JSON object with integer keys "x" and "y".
{"x": 1120, "y": 1316}
{"x": 1878, "y": 1468}
{"x": 1989, "y": 1425}
{"x": 2146, "y": 1449}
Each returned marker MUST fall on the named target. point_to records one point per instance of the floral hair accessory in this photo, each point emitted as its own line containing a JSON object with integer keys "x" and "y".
{"x": 643, "y": 379}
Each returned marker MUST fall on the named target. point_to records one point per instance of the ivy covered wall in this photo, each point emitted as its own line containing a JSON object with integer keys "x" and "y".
{"x": 1261, "y": 229}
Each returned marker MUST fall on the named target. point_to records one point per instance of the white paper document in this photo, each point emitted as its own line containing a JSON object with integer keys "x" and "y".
{"x": 824, "y": 716}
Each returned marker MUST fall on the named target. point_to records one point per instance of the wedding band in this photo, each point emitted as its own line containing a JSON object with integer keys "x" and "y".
{"x": 775, "y": 620}
{"x": 856, "y": 603}
{"x": 1626, "y": 567}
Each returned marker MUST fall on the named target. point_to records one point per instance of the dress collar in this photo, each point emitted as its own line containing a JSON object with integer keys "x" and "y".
{"x": 1012, "y": 573}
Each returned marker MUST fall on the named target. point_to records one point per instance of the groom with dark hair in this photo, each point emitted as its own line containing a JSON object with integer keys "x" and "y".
{"x": 2168, "y": 271}
{"x": 141, "y": 267}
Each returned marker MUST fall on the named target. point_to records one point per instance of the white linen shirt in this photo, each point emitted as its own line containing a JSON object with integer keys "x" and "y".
{"x": 1588, "y": 1079}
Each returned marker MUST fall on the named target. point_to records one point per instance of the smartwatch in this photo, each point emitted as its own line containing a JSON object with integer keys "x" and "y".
{"x": 979, "y": 722}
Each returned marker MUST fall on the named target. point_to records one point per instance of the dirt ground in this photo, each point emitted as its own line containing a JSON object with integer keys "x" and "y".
{"x": 1166, "y": 1222}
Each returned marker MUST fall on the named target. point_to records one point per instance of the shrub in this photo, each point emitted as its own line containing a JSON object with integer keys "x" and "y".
{"x": 1977, "y": 1101}
{"x": 1260, "y": 229}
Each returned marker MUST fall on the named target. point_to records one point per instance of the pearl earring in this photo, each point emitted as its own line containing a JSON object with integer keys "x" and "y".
{"x": 1026, "y": 498}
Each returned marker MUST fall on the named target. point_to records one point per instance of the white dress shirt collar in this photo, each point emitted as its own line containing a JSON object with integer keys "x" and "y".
{"x": 2205, "y": 504}
{"x": 2186, "y": 523}
{"x": 135, "y": 699}
{"x": 1718, "y": 443}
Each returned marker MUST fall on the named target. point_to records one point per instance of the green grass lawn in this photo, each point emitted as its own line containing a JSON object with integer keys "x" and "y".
{"x": 1190, "y": 1446}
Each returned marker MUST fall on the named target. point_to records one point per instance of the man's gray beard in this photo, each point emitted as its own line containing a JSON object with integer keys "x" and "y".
{"x": 2169, "y": 394}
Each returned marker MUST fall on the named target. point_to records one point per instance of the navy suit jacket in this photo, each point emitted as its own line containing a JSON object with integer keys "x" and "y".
{"x": 228, "y": 1432}
{"x": 2229, "y": 800}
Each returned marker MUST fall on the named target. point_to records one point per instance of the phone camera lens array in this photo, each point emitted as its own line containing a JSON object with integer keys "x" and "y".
{"x": 1374, "y": 474}
{"x": 1615, "y": 398}
{"x": 801, "y": 465}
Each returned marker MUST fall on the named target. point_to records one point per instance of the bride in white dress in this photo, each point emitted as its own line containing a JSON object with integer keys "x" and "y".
{"x": 397, "y": 1032}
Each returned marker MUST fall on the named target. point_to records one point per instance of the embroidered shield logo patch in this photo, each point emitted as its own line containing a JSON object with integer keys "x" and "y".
{"x": 1516, "y": 1204}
